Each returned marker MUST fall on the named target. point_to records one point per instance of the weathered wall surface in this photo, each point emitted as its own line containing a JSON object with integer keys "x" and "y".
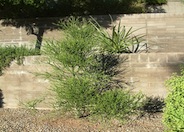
{"x": 27, "y": 31}
{"x": 163, "y": 32}
{"x": 145, "y": 72}
{"x": 19, "y": 83}
{"x": 174, "y": 6}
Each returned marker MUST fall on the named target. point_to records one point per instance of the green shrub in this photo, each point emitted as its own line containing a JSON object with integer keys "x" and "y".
{"x": 80, "y": 75}
{"x": 174, "y": 110}
{"x": 77, "y": 94}
{"x": 8, "y": 54}
{"x": 117, "y": 104}
{"x": 71, "y": 59}
{"x": 156, "y": 2}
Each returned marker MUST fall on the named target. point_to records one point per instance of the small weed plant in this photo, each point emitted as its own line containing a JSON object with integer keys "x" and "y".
{"x": 174, "y": 111}
{"x": 78, "y": 77}
{"x": 31, "y": 104}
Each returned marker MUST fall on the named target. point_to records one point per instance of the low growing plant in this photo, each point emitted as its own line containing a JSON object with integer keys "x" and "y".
{"x": 31, "y": 104}
{"x": 120, "y": 40}
{"x": 10, "y": 53}
{"x": 173, "y": 116}
{"x": 117, "y": 104}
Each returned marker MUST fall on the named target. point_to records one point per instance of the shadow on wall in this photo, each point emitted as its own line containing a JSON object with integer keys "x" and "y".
{"x": 39, "y": 26}
{"x": 1, "y": 99}
{"x": 106, "y": 20}
{"x": 155, "y": 9}
{"x": 111, "y": 66}
{"x": 35, "y": 27}
{"x": 176, "y": 63}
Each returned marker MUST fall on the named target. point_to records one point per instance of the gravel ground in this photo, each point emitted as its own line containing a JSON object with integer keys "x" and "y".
{"x": 23, "y": 120}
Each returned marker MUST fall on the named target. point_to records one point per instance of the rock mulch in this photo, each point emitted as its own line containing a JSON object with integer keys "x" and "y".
{"x": 24, "y": 120}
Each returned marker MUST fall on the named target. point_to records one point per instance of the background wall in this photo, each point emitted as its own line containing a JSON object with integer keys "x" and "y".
{"x": 163, "y": 32}
{"x": 147, "y": 72}
{"x": 20, "y": 84}
{"x": 144, "y": 72}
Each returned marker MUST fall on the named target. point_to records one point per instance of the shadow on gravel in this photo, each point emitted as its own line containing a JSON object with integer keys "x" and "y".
{"x": 1, "y": 99}
{"x": 153, "y": 105}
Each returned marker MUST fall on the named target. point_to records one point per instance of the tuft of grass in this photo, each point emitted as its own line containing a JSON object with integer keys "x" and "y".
{"x": 10, "y": 53}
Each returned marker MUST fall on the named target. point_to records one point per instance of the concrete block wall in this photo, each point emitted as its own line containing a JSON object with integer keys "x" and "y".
{"x": 164, "y": 32}
{"x": 10, "y": 35}
{"x": 174, "y": 6}
{"x": 145, "y": 72}
{"x": 25, "y": 31}
{"x": 20, "y": 84}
